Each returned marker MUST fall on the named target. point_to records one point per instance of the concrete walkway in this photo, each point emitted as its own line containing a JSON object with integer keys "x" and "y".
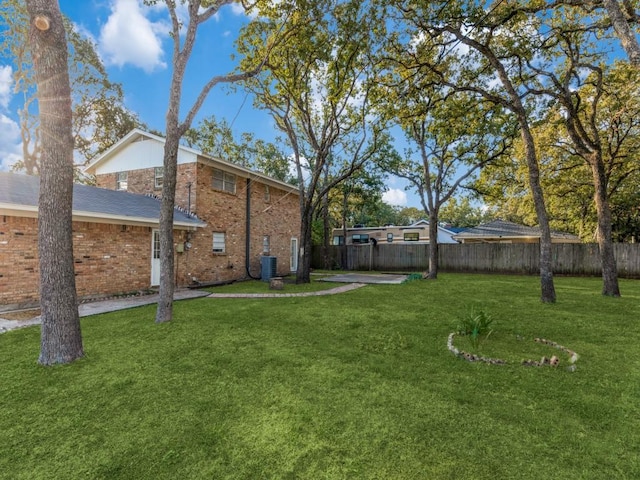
{"x": 122, "y": 303}
{"x": 376, "y": 278}
{"x": 104, "y": 306}
{"x": 330, "y": 291}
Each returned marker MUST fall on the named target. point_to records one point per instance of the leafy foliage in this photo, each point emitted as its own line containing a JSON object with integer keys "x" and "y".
{"x": 215, "y": 137}
{"x": 476, "y": 324}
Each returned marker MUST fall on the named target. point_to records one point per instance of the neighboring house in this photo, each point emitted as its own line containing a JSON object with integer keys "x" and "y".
{"x": 248, "y": 215}
{"x": 415, "y": 233}
{"x": 501, "y": 231}
{"x": 113, "y": 240}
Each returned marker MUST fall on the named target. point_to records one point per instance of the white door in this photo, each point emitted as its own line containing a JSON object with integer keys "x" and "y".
{"x": 155, "y": 258}
{"x": 293, "y": 260}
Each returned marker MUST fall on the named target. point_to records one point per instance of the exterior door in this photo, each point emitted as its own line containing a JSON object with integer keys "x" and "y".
{"x": 293, "y": 260}
{"x": 155, "y": 258}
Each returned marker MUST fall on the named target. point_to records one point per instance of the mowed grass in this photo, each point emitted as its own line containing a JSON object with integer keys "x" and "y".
{"x": 353, "y": 386}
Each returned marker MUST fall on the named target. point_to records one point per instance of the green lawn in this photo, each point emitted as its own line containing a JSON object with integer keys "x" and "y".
{"x": 353, "y": 386}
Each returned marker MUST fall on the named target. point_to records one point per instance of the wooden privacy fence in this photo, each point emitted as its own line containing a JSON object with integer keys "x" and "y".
{"x": 523, "y": 258}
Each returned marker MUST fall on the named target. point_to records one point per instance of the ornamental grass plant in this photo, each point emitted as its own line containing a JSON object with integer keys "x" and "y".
{"x": 359, "y": 385}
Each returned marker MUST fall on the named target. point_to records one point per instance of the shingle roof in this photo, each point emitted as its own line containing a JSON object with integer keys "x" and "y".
{"x": 23, "y": 191}
{"x": 503, "y": 228}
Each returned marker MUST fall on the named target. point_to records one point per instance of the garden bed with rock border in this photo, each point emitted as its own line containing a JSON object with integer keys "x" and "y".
{"x": 553, "y": 361}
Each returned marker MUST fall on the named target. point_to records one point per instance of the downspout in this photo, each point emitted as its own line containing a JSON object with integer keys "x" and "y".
{"x": 189, "y": 200}
{"x": 247, "y": 233}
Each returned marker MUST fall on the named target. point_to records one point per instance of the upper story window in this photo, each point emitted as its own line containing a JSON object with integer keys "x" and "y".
{"x": 158, "y": 176}
{"x": 121, "y": 180}
{"x": 390, "y": 237}
{"x": 337, "y": 240}
{"x": 224, "y": 181}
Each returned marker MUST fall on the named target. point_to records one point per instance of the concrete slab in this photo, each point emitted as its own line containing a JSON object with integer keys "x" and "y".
{"x": 381, "y": 278}
{"x": 104, "y": 306}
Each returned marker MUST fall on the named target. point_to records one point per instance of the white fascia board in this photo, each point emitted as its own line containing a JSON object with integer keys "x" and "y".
{"x": 15, "y": 210}
{"x": 94, "y": 217}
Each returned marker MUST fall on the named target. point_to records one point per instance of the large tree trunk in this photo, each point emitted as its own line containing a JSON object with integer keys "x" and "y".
{"x": 623, "y": 30}
{"x": 164, "y": 312}
{"x": 326, "y": 233}
{"x": 609, "y": 268}
{"x": 548, "y": 292}
{"x": 61, "y": 339}
{"x": 303, "y": 274}
{"x": 433, "y": 245}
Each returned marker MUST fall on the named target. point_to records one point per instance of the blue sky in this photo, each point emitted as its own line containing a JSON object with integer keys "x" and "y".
{"x": 134, "y": 44}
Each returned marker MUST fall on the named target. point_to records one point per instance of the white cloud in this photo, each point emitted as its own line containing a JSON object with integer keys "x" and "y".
{"x": 237, "y": 9}
{"x": 10, "y": 142}
{"x": 395, "y": 197}
{"x": 129, "y": 37}
{"x": 10, "y": 139}
{"x": 6, "y": 84}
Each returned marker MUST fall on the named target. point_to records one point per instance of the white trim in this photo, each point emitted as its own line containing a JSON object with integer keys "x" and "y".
{"x": 14, "y": 210}
{"x": 155, "y": 262}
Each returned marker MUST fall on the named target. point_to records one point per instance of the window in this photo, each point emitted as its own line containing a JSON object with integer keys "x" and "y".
{"x": 266, "y": 244}
{"x": 338, "y": 240}
{"x": 224, "y": 181}
{"x": 267, "y": 194}
{"x": 158, "y": 173}
{"x": 360, "y": 238}
{"x": 411, "y": 236}
{"x": 389, "y": 237}
{"x": 218, "y": 242}
{"x": 121, "y": 180}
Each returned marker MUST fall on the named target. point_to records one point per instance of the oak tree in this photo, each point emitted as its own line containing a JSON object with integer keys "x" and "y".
{"x": 317, "y": 87}
{"x": 183, "y": 35}
{"x": 61, "y": 339}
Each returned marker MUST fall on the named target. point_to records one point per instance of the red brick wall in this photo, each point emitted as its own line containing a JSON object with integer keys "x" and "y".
{"x": 109, "y": 259}
{"x": 18, "y": 260}
{"x": 226, "y": 212}
{"x": 278, "y": 217}
{"x": 143, "y": 181}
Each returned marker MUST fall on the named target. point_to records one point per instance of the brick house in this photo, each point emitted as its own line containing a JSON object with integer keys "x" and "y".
{"x": 248, "y": 215}
{"x": 227, "y": 218}
{"x": 112, "y": 240}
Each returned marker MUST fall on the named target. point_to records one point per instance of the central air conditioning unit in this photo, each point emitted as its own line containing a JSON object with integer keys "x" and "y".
{"x": 268, "y": 268}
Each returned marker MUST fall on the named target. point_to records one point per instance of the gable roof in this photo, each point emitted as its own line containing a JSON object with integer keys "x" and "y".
{"x": 19, "y": 197}
{"x": 505, "y": 230}
{"x": 137, "y": 134}
{"x": 425, "y": 223}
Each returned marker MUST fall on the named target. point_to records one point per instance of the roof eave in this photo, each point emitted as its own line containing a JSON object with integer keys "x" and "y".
{"x": 30, "y": 211}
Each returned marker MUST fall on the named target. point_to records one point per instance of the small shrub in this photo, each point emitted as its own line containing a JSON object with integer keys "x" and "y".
{"x": 476, "y": 324}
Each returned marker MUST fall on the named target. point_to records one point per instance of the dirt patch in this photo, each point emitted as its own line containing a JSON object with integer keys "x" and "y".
{"x": 20, "y": 315}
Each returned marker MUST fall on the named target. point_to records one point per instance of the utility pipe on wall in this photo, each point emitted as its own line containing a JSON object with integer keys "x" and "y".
{"x": 247, "y": 233}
